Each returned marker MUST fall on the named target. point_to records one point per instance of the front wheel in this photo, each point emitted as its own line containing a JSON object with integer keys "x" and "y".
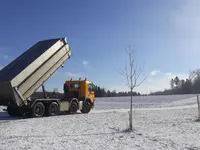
{"x": 86, "y": 107}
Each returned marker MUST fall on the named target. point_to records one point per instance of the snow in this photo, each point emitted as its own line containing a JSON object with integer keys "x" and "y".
{"x": 145, "y": 101}
{"x": 171, "y": 125}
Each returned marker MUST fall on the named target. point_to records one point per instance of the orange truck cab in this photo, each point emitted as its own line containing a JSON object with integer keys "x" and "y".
{"x": 82, "y": 90}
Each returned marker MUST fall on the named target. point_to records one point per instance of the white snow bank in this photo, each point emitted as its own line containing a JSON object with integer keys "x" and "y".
{"x": 159, "y": 129}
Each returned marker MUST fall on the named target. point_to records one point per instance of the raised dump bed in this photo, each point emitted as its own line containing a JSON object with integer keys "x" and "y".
{"x": 24, "y": 75}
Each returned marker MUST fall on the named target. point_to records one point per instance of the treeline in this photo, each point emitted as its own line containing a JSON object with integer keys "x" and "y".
{"x": 101, "y": 92}
{"x": 191, "y": 85}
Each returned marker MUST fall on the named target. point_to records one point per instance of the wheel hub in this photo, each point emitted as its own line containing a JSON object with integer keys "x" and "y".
{"x": 53, "y": 110}
{"x": 37, "y": 110}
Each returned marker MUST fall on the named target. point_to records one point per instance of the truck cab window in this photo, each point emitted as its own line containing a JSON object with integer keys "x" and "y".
{"x": 74, "y": 86}
{"x": 66, "y": 89}
{"x": 90, "y": 87}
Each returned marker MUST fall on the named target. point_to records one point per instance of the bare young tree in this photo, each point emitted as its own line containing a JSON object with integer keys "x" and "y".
{"x": 132, "y": 73}
{"x": 194, "y": 74}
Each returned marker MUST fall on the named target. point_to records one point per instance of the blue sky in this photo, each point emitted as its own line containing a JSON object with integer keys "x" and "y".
{"x": 164, "y": 34}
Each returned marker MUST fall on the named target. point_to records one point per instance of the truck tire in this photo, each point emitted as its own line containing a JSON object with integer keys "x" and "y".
{"x": 53, "y": 109}
{"x": 73, "y": 107}
{"x": 86, "y": 107}
{"x": 14, "y": 112}
{"x": 38, "y": 109}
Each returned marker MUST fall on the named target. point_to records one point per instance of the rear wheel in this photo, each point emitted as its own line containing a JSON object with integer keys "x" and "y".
{"x": 38, "y": 110}
{"x": 14, "y": 112}
{"x": 86, "y": 107}
{"x": 53, "y": 109}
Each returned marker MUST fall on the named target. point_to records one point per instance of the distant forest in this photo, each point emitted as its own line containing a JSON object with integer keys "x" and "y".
{"x": 101, "y": 92}
{"x": 191, "y": 85}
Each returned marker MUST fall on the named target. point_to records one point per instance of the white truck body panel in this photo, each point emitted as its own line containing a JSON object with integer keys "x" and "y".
{"x": 24, "y": 75}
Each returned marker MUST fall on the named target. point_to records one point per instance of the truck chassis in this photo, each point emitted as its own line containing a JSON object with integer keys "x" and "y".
{"x": 50, "y": 107}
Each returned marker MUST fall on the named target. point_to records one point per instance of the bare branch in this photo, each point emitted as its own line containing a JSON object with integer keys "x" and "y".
{"x": 132, "y": 75}
{"x": 143, "y": 80}
{"x": 122, "y": 72}
{"x": 131, "y": 51}
{"x": 194, "y": 74}
{"x": 128, "y": 51}
{"x": 132, "y": 60}
{"x": 140, "y": 71}
{"x": 126, "y": 84}
{"x": 127, "y": 76}
{"x": 136, "y": 67}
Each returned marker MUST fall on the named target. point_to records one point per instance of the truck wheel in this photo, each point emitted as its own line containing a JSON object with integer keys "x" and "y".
{"x": 86, "y": 107}
{"x": 53, "y": 109}
{"x": 38, "y": 110}
{"x": 15, "y": 112}
{"x": 73, "y": 107}
{"x": 12, "y": 111}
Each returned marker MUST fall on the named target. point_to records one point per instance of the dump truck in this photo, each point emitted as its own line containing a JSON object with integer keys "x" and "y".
{"x": 21, "y": 78}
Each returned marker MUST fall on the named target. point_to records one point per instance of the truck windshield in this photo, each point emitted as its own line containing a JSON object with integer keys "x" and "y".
{"x": 91, "y": 87}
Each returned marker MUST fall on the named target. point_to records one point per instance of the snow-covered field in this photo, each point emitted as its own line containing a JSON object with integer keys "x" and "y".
{"x": 169, "y": 124}
{"x": 145, "y": 101}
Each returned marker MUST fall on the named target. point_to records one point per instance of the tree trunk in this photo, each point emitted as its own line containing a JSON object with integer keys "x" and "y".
{"x": 130, "y": 116}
